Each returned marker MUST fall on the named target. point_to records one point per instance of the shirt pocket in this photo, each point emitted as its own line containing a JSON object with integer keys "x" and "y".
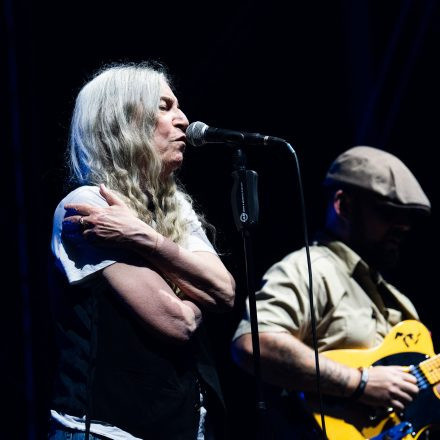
{"x": 360, "y": 328}
{"x": 349, "y": 328}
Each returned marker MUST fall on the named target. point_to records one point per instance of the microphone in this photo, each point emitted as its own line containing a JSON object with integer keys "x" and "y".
{"x": 198, "y": 134}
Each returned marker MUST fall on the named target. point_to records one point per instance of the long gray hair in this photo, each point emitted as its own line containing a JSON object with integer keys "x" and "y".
{"x": 111, "y": 142}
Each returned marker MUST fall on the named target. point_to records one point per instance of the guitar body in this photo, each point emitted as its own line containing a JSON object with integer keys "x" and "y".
{"x": 408, "y": 343}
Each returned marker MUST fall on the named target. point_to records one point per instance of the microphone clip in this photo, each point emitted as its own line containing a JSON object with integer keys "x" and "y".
{"x": 244, "y": 194}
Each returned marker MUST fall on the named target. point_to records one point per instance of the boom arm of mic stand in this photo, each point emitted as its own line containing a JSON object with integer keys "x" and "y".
{"x": 245, "y": 209}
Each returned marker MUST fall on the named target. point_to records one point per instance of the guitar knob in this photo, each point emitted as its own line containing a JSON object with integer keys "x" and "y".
{"x": 372, "y": 416}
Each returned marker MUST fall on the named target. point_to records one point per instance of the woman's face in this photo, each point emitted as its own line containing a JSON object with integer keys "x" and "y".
{"x": 169, "y": 134}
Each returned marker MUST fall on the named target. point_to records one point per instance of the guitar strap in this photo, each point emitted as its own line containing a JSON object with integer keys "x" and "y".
{"x": 388, "y": 294}
{"x": 381, "y": 295}
{"x": 362, "y": 276}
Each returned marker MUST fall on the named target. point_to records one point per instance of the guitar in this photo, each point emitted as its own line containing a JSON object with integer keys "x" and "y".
{"x": 408, "y": 344}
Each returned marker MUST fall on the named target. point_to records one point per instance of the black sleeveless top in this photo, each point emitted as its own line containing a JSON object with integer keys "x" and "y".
{"x": 112, "y": 370}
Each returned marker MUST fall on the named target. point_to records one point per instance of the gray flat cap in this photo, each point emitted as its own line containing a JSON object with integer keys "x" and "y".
{"x": 381, "y": 173}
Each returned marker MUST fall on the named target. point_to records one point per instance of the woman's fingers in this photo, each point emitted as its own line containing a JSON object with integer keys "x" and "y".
{"x": 80, "y": 208}
{"x": 75, "y": 224}
{"x": 73, "y": 219}
{"x": 110, "y": 196}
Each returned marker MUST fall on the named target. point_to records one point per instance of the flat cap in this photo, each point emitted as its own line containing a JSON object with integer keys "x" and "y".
{"x": 381, "y": 173}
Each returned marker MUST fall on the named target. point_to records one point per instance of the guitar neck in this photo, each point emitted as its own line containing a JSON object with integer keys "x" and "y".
{"x": 428, "y": 371}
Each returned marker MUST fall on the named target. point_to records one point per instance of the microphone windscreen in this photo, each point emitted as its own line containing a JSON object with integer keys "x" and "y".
{"x": 195, "y": 133}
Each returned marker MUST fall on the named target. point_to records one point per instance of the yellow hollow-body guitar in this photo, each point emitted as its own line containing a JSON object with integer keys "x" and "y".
{"x": 408, "y": 344}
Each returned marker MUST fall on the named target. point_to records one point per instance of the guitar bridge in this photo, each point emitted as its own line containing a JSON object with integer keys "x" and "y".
{"x": 397, "y": 432}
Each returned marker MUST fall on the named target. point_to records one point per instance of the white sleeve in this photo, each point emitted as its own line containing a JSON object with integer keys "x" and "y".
{"x": 75, "y": 256}
{"x": 196, "y": 239}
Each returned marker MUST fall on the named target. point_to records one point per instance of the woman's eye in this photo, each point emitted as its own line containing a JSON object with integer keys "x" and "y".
{"x": 165, "y": 104}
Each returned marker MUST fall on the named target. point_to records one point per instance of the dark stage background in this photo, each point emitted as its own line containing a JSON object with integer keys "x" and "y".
{"x": 325, "y": 75}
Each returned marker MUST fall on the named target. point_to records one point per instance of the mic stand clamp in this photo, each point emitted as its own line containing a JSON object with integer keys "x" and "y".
{"x": 245, "y": 209}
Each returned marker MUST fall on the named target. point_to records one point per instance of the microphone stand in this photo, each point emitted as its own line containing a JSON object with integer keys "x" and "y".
{"x": 245, "y": 209}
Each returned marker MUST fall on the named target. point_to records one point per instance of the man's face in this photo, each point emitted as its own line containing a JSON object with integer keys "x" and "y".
{"x": 378, "y": 231}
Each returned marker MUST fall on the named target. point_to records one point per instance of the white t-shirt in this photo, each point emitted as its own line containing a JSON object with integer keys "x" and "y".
{"x": 82, "y": 259}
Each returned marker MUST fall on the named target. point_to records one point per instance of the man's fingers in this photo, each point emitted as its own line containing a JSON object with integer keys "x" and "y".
{"x": 409, "y": 383}
{"x": 404, "y": 397}
{"x": 406, "y": 376}
{"x": 397, "y": 405}
{"x": 410, "y": 378}
{"x": 411, "y": 388}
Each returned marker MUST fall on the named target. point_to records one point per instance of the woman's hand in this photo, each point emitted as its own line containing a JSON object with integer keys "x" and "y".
{"x": 113, "y": 225}
{"x": 201, "y": 275}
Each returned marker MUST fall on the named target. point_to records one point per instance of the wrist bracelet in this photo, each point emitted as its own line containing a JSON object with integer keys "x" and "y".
{"x": 362, "y": 384}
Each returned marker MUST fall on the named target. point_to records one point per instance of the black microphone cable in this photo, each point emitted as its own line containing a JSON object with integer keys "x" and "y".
{"x": 312, "y": 308}
{"x": 198, "y": 134}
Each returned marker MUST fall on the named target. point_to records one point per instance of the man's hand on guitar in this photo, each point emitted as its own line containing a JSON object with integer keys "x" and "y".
{"x": 388, "y": 387}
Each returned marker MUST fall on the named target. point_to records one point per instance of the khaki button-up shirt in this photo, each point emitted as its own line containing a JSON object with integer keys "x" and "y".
{"x": 354, "y": 307}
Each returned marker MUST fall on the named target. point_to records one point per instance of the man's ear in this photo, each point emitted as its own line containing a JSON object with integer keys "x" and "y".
{"x": 342, "y": 204}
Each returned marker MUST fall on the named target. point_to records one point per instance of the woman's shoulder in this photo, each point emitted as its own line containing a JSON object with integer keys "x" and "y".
{"x": 185, "y": 204}
{"x": 181, "y": 197}
{"x": 84, "y": 194}
{"x": 81, "y": 193}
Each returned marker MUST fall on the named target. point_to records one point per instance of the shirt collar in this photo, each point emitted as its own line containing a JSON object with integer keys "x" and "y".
{"x": 349, "y": 257}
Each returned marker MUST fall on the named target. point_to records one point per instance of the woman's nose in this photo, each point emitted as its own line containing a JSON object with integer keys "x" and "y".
{"x": 181, "y": 119}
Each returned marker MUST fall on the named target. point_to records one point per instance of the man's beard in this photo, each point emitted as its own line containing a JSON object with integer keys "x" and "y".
{"x": 383, "y": 256}
{"x": 387, "y": 258}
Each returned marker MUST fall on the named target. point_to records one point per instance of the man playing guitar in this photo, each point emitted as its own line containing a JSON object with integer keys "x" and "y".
{"x": 373, "y": 199}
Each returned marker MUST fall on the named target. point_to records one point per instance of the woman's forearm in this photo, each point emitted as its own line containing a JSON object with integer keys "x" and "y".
{"x": 149, "y": 296}
{"x": 200, "y": 275}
